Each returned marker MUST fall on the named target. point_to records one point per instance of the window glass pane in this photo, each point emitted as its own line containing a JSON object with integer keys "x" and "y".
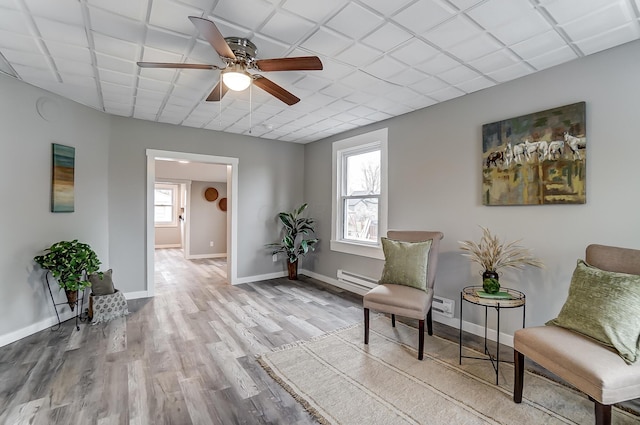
{"x": 164, "y": 196}
{"x": 361, "y": 219}
{"x": 163, "y": 214}
{"x": 363, "y": 173}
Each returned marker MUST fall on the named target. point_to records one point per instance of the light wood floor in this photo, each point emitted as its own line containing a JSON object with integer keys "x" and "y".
{"x": 186, "y": 356}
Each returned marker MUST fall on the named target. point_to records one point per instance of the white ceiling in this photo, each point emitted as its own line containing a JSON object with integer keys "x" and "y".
{"x": 382, "y": 58}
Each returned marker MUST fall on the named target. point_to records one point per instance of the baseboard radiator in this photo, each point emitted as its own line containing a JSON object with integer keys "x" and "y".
{"x": 361, "y": 285}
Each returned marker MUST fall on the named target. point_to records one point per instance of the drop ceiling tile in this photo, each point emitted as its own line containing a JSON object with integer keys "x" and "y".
{"x": 384, "y": 68}
{"x": 14, "y": 21}
{"x": 156, "y": 55}
{"x": 229, "y": 29}
{"x": 446, "y": 93}
{"x": 67, "y": 51}
{"x": 107, "y": 76}
{"x": 438, "y": 64}
{"x": 510, "y": 72}
{"x": 14, "y": 41}
{"x": 235, "y": 11}
{"x": 420, "y": 102}
{"x": 387, "y": 37}
{"x": 144, "y": 115}
{"x": 475, "y": 84}
{"x": 408, "y": 76}
{"x": 326, "y": 42}
{"x": 115, "y": 47}
{"x": 609, "y": 39}
{"x": 458, "y": 75}
{"x": 344, "y": 20}
{"x": 314, "y": 10}
{"x": 287, "y": 27}
{"x": 334, "y": 70}
{"x": 452, "y": 32}
{"x": 538, "y": 45}
{"x": 151, "y": 96}
{"x": 65, "y": 33}
{"x": 153, "y": 85}
{"x": 66, "y": 66}
{"x": 525, "y": 27}
{"x": 423, "y": 15}
{"x": 34, "y": 75}
{"x": 359, "y": 80}
{"x": 385, "y": 7}
{"x": 568, "y": 10}
{"x": 312, "y": 83}
{"x": 494, "y": 61}
{"x": 134, "y": 9}
{"x": 198, "y": 79}
{"x": 335, "y": 91}
{"x": 428, "y": 85}
{"x": 67, "y": 11}
{"x": 269, "y": 48}
{"x": 359, "y": 55}
{"x": 613, "y": 16}
{"x": 167, "y": 40}
{"x": 189, "y": 93}
{"x": 359, "y": 97}
{"x": 465, "y": 4}
{"x": 8, "y": 4}
{"x": 414, "y": 51}
{"x": 17, "y": 57}
{"x": 552, "y": 58}
{"x": 78, "y": 80}
{"x": 116, "y": 91}
{"x": 494, "y": 13}
{"x": 202, "y": 52}
{"x": 115, "y": 64}
{"x": 173, "y": 16}
{"x": 475, "y": 47}
{"x": 116, "y": 26}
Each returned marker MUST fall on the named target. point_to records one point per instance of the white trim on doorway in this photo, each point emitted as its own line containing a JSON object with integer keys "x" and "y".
{"x": 232, "y": 208}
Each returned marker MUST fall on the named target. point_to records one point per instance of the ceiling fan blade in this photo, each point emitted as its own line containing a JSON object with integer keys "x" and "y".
{"x": 302, "y": 63}
{"x": 275, "y": 90}
{"x": 209, "y": 30}
{"x": 176, "y": 65}
{"x": 215, "y": 94}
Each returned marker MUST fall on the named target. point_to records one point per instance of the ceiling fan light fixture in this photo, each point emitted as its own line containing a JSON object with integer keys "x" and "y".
{"x": 236, "y": 78}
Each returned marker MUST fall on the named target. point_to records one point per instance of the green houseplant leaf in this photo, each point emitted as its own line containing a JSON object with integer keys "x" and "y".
{"x": 294, "y": 242}
{"x": 70, "y": 263}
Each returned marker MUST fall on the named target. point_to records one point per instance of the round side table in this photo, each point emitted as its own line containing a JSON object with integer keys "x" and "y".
{"x": 506, "y": 298}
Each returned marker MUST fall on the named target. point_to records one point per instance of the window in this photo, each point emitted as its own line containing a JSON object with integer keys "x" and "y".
{"x": 359, "y": 194}
{"x": 165, "y": 204}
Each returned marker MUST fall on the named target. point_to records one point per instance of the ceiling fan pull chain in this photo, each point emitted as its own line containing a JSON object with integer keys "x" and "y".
{"x": 250, "y": 108}
{"x": 220, "y": 102}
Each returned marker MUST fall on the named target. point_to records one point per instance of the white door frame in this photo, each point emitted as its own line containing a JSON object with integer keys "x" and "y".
{"x": 232, "y": 208}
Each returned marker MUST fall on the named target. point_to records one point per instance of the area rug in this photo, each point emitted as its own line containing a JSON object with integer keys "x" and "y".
{"x": 340, "y": 380}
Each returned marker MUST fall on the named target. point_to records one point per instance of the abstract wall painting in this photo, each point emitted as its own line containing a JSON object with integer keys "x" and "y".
{"x": 62, "y": 179}
{"x": 536, "y": 159}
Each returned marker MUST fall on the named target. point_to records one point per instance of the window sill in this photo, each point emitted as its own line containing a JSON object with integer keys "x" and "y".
{"x": 358, "y": 249}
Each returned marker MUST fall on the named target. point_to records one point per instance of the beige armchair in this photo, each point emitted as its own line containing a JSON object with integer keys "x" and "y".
{"x": 591, "y": 367}
{"x": 404, "y": 300}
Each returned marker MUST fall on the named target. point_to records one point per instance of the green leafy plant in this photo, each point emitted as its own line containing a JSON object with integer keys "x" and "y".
{"x": 294, "y": 243}
{"x": 70, "y": 262}
{"x": 494, "y": 255}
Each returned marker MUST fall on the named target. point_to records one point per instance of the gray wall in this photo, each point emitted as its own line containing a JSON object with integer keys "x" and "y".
{"x": 435, "y": 180}
{"x": 208, "y": 221}
{"x": 27, "y": 225}
{"x": 269, "y": 180}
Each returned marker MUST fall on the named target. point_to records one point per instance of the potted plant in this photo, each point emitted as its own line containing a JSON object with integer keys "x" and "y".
{"x": 494, "y": 255}
{"x": 70, "y": 262}
{"x": 294, "y": 243}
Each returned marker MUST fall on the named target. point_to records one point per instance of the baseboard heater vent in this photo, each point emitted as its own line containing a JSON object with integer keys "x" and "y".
{"x": 363, "y": 283}
{"x": 443, "y": 306}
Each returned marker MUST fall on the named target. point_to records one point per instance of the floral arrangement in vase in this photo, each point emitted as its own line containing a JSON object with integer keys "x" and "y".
{"x": 492, "y": 255}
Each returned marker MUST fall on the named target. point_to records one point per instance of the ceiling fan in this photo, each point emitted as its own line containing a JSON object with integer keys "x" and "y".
{"x": 239, "y": 55}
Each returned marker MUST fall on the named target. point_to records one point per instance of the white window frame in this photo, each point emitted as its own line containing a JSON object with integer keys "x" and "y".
{"x": 175, "y": 207}
{"x": 341, "y": 149}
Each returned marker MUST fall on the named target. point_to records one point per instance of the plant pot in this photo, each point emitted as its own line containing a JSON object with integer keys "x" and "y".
{"x": 490, "y": 274}
{"x": 292, "y": 268}
{"x": 72, "y": 298}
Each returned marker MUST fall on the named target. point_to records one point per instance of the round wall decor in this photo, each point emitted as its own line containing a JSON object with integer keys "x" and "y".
{"x": 211, "y": 194}
{"x": 223, "y": 204}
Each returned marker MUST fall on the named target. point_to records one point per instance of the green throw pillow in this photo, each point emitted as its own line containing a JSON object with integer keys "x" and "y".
{"x": 605, "y": 306}
{"x": 405, "y": 263}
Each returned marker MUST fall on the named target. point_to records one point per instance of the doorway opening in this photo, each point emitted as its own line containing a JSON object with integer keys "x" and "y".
{"x": 231, "y": 207}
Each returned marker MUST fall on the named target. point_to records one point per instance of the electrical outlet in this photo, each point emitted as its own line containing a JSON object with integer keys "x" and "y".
{"x": 210, "y": 243}
{"x": 274, "y": 258}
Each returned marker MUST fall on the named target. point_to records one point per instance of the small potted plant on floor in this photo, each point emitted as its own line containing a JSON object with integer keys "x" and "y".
{"x": 295, "y": 243}
{"x": 70, "y": 263}
{"x": 494, "y": 255}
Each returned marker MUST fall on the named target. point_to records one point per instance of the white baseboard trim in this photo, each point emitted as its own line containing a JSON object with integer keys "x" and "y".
{"x": 472, "y": 328}
{"x": 16, "y": 335}
{"x": 136, "y": 295}
{"x": 169, "y": 245}
{"x": 202, "y": 256}
{"x": 259, "y": 277}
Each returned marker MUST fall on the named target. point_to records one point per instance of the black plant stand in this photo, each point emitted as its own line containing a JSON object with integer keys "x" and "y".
{"x": 78, "y": 315}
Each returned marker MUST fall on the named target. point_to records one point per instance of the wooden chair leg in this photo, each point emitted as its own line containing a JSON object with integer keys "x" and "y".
{"x": 518, "y": 377}
{"x": 603, "y": 413}
{"x": 393, "y": 320}
{"x": 366, "y": 325}
{"x": 420, "y": 339}
{"x": 429, "y": 323}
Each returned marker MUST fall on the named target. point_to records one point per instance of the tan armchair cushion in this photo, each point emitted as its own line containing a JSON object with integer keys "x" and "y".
{"x": 399, "y": 299}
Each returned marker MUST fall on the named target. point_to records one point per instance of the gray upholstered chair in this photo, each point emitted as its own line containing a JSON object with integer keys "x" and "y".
{"x": 404, "y": 300}
{"x": 591, "y": 367}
